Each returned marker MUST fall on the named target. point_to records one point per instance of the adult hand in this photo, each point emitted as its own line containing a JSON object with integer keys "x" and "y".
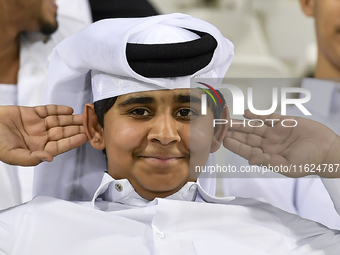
{"x": 306, "y": 149}
{"x": 30, "y": 135}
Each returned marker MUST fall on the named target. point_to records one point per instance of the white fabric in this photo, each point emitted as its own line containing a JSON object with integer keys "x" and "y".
{"x": 109, "y": 85}
{"x": 75, "y": 175}
{"x": 17, "y": 182}
{"x": 8, "y": 94}
{"x": 118, "y": 221}
{"x": 105, "y": 44}
{"x": 333, "y": 188}
{"x": 35, "y": 54}
{"x": 307, "y": 197}
{"x": 10, "y": 190}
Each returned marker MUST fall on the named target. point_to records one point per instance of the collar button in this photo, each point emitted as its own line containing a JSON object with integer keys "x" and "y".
{"x": 119, "y": 187}
{"x": 193, "y": 188}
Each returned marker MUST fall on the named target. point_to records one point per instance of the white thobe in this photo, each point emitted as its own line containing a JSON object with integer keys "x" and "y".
{"x": 119, "y": 221}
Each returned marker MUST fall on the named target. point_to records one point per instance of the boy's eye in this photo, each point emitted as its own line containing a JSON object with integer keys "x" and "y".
{"x": 141, "y": 112}
{"x": 184, "y": 113}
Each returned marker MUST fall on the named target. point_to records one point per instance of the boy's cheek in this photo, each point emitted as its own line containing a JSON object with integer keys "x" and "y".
{"x": 200, "y": 145}
{"x": 201, "y": 131}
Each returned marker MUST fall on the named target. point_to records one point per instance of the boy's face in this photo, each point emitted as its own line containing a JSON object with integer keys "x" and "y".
{"x": 152, "y": 138}
{"x": 327, "y": 20}
{"x": 327, "y": 25}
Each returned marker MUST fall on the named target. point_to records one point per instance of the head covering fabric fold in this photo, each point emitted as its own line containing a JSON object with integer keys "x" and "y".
{"x": 97, "y": 57}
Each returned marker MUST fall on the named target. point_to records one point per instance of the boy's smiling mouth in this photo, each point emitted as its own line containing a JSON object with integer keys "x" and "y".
{"x": 163, "y": 158}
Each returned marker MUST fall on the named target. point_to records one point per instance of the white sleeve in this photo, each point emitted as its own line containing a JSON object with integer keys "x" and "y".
{"x": 333, "y": 188}
{"x": 8, "y": 222}
{"x": 72, "y": 16}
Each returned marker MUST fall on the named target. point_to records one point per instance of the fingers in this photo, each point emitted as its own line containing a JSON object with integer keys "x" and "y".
{"x": 241, "y": 149}
{"x": 62, "y": 121}
{"x": 58, "y": 147}
{"x": 50, "y": 110}
{"x": 24, "y": 157}
{"x": 256, "y": 128}
{"x": 247, "y": 139}
{"x": 58, "y": 133}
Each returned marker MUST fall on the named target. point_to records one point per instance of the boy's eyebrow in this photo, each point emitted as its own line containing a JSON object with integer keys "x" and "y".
{"x": 186, "y": 98}
{"x": 137, "y": 100}
{"x": 180, "y": 98}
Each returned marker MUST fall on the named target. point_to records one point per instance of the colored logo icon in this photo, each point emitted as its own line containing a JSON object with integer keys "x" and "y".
{"x": 209, "y": 93}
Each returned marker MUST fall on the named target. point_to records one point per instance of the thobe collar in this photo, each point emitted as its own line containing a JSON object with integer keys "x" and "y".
{"x": 325, "y": 96}
{"x": 121, "y": 191}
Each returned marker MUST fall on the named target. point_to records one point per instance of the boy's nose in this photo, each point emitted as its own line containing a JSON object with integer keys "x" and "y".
{"x": 164, "y": 130}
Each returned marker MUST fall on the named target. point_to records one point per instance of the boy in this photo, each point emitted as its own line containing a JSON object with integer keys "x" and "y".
{"x": 152, "y": 133}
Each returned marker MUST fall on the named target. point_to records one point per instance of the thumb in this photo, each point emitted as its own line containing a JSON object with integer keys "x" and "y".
{"x": 40, "y": 156}
{"x": 24, "y": 157}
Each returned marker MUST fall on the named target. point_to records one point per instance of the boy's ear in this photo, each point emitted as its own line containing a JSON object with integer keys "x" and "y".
{"x": 220, "y": 131}
{"x": 307, "y": 7}
{"x": 93, "y": 130}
